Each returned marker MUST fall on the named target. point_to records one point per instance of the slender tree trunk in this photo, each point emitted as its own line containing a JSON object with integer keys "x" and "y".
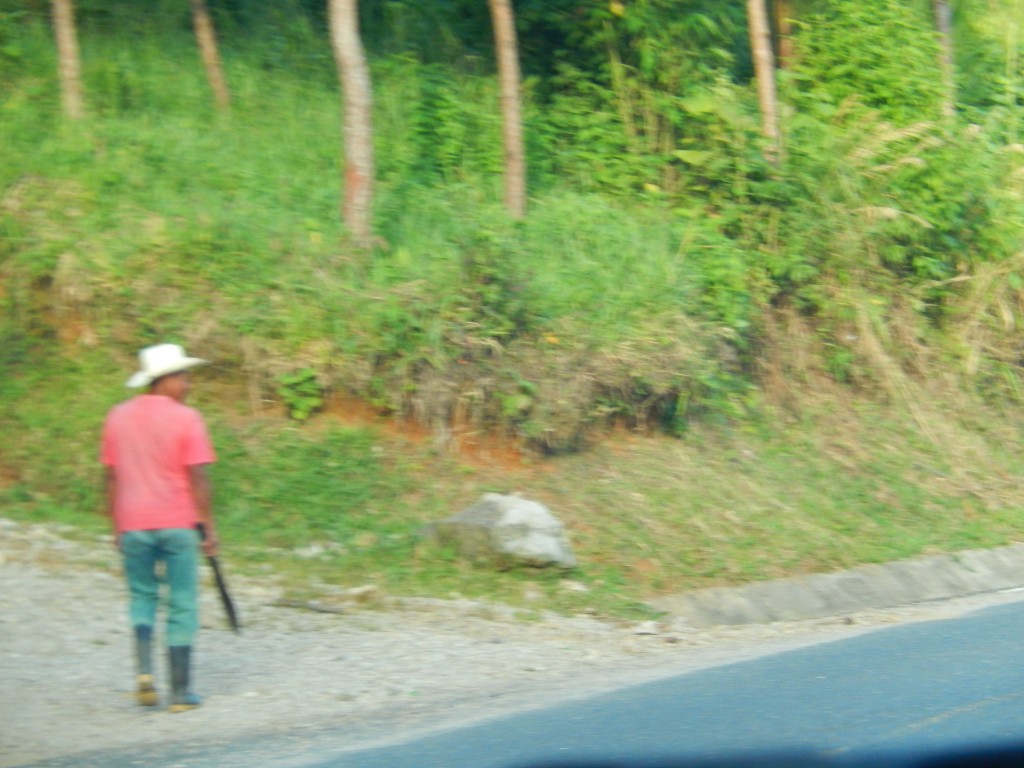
{"x": 357, "y": 105}
{"x": 944, "y": 26}
{"x": 784, "y": 32}
{"x": 207, "y": 40}
{"x": 764, "y": 69}
{"x": 70, "y": 66}
{"x": 508, "y": 74}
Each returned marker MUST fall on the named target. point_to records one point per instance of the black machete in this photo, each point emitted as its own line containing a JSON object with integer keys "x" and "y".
{"x": 222, "y": 587}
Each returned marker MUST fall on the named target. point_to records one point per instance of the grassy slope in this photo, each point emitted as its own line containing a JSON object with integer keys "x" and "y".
{"x": 847, "y": 483}
{"x": 157, "y": 221}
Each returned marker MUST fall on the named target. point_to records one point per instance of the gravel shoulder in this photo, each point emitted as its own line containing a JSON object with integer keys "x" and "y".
{"x": 368, "y": 675}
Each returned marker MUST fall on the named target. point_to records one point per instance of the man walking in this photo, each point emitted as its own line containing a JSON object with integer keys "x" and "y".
{"x": 155, "y": 449}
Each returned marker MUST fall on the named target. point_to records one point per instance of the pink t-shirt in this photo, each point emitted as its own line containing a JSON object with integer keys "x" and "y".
{"x": 150, "y": 442}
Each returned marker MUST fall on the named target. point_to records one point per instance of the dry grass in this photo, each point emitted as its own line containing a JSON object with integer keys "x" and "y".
{"x": 845, "y": 482}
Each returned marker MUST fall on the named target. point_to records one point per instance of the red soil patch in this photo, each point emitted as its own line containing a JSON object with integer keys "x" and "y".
{"x": 471, "y": 446}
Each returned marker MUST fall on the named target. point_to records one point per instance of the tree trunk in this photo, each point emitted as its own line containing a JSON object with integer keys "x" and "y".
{"x": 70, "y": 66}
{"x": 944, "y": 25}
{"x": 357, "y": 105}
{"x": 507, "y": 50}
{"x": 764, "y": 70}
{"x": 207, "y": 40}
{"x": 784, "y": 32}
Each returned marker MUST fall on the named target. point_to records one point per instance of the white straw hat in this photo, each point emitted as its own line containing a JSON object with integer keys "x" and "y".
{"x": 161, "y": 360}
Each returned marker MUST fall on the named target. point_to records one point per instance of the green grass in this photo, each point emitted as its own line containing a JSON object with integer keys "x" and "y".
{"x": 340, "y": 501}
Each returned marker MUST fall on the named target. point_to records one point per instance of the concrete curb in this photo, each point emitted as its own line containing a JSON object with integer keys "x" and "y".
{"x": 866, "y": 587}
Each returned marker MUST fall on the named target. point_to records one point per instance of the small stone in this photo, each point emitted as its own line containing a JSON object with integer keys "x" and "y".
{"x": 573, "y": 586}
{"x": 647, "y": 628}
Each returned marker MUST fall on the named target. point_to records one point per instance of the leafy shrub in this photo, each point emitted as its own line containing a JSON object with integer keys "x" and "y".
{"x": 301, "y": 393}
{"x": 846, "y": 55}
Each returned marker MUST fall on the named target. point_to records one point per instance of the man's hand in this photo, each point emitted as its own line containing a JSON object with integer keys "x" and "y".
{"x": 208, "y": 540}
{"x": 210, "y": 544}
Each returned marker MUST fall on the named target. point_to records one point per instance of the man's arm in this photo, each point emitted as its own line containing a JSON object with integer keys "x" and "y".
{"x": 110, "y": 482}
{"x": 202, "y": 495}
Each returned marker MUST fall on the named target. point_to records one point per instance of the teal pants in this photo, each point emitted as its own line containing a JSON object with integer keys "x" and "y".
{"x": 178, "y": 550}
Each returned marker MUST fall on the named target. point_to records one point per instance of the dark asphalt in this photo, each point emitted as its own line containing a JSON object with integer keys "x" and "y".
{"x": 937, "y": 686}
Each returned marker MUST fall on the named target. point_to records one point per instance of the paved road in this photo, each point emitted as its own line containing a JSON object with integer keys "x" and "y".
{"x": 865, "y": 700}
{"x": 942, "y": 685}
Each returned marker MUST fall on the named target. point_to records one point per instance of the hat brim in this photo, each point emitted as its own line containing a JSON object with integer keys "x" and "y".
{"x": 145, "y": 378}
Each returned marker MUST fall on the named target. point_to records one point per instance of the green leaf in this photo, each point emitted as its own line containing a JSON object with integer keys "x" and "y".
{"x": 692, "y": 156}
{"x": 703, "y": 103}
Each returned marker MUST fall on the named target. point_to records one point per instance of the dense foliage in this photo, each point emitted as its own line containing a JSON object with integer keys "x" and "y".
{"x": 661, "y": 249}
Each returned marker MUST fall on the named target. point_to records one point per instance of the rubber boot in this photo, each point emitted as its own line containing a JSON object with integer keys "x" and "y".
{"x": 182, "y": 699}
{"x": 145, "y": 693}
